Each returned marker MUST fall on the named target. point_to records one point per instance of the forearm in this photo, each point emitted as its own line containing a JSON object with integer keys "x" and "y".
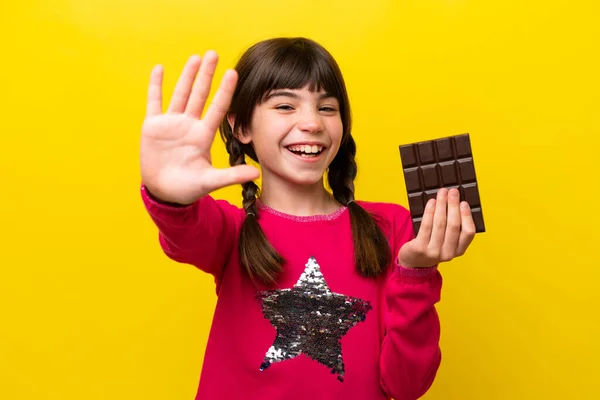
{"x": 199, "y": 234}
{"x": 411, "y": 353}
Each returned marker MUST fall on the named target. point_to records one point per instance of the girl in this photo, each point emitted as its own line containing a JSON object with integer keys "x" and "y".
{"x": 320, "y": 296}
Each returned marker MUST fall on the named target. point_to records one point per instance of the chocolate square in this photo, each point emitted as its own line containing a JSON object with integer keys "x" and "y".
{"x": 441, "y": 163}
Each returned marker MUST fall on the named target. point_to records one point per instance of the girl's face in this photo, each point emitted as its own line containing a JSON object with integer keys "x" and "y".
{"x": 295, "y": 134}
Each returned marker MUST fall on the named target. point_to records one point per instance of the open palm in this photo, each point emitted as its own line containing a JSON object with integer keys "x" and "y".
{"x": 175, "y": 159}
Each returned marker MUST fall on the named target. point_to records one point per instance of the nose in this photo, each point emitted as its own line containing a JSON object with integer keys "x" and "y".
{"x": 310, "y": 122}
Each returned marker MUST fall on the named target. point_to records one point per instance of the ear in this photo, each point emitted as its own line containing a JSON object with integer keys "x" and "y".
{"x": 241, "y": 136}
{"x": 230, "y": 121}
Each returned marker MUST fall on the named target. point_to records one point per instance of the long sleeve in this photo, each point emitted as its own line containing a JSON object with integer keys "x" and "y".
{"x": 201, "y": 234}
{"x": 411, "y": 354}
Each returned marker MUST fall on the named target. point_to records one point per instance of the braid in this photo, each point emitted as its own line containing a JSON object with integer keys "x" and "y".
{"x": 372, "y": 252}
{"x": 257, "y": 255}
{"x": 342, "y": 171}
{"x": 249, "y": 189}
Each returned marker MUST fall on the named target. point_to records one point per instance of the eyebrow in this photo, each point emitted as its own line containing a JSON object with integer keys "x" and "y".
{"x": 287, "y": 93}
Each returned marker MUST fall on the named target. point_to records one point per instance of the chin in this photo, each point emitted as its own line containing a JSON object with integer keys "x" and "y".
{"x": 307, "y": 178}
{"x": 296, "y": 174}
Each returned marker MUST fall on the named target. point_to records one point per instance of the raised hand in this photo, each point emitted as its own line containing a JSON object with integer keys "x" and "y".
{"x": 175, "y": 159}
{"x": 446, "y": 231}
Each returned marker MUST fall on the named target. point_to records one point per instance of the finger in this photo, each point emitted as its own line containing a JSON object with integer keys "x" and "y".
{"x": 201, "y": 88}
{"x": 154, "y": 106}
{"x": 453, "y": 223}
{"x": 468, "y": 228}
{"x": 183, "y": 87}
{"x": 424, "y": 233}
{"x": 439, "y": 221}
{"x": 220, "y": 104}
{"x": 219, "y": 178}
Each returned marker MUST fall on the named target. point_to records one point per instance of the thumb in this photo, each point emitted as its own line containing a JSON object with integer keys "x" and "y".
{"x": 219, "y": 178}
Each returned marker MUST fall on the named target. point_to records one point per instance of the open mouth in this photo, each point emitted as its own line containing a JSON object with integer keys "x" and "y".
{"x": 305, "y": 150}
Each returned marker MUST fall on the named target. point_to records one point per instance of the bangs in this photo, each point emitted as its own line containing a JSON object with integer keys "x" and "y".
{"x": 296, "y": 67}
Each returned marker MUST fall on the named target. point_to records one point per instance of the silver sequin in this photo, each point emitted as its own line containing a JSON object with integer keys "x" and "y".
{"x": 311, "y": 320}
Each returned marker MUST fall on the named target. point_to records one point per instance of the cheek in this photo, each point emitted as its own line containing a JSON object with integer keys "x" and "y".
{"x": 271, "y": 133}
{"x": 336, "y": 130}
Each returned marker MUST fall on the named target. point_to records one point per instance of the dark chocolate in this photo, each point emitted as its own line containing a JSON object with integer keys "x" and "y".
{"x": 441, "y": 163}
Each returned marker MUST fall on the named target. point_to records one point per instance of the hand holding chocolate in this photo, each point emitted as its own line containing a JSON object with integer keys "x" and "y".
{"x": 441, "y": 163}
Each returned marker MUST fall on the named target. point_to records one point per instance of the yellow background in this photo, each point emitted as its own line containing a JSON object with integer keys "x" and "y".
{"x": 91, "y": 309}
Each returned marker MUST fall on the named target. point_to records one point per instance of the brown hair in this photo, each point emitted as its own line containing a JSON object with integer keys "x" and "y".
{"x": 293, "y": 63}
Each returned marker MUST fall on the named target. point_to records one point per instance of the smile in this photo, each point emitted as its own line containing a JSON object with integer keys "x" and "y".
{"x": 305, "y": 150}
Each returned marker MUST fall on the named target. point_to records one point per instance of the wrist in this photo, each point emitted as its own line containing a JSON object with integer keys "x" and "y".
{"x": 159, "y": 199}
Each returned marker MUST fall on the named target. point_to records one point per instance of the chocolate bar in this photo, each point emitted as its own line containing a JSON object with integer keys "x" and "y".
{"x": 441, "y": 163}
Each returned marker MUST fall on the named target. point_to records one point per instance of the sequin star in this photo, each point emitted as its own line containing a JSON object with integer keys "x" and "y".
{"x": 310, "y": 319}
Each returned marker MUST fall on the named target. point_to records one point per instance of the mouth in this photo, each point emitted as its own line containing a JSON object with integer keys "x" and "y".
{"x": 306, "y": 150}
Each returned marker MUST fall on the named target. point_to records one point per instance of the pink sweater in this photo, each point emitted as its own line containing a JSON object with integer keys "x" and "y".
{"x": 324, "y": 332}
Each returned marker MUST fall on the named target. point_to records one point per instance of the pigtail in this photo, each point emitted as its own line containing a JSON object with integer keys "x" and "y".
{"x": 257, "y": 255}
{"x": 372, "y": 252}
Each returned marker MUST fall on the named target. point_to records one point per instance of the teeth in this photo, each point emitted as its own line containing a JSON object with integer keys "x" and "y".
{"x": 306, "y": 148}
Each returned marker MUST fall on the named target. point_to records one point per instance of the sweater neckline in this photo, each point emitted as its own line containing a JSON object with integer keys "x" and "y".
{"x": 297, "y": 218}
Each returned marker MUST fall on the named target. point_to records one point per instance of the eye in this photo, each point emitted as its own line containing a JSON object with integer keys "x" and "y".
{"x": 328, "y": 109}
{"x": 284, "y": 107}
